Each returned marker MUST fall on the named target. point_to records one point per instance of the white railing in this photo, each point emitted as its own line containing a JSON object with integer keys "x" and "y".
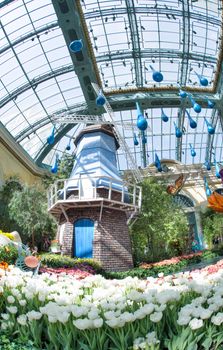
{"x": 89, "y": 188}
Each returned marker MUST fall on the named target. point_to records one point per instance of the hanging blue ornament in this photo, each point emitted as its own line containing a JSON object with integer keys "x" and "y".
{"x": 203, "y": 81}
{"x": 217, "y": 169}
{"x": 192, "y": 122}
{"x": 144, "y": 139}
{"x": 136, "y": 142}
{"x": 100, "y": 100}
{"x": 178, "y": 132}
{"x": 210, "y": 104}
{"x": 76, "y": 46}
{"x": 196, "y": 106}
{"x": 157, "y": 76}
{"x": 211, "y": 129}
{"x": 51, "y": 138}
{"x": 192, "y": 151}
{"x": 68, "y": 147}
{"x": 164, "y": 117}
{"x": 182, "y": 94}
{"x": 207, "y": 165}
{"x": 207, "y": 188}
{"x": 141, "y": 121}
{"x": 54, "y": 168}
{"x": 158, "y": 163}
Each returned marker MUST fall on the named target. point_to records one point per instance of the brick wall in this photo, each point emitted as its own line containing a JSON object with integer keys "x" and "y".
{"x": 111, "y": 245}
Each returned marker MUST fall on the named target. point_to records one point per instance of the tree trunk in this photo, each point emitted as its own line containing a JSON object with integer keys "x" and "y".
{"x": 33, "y": 240}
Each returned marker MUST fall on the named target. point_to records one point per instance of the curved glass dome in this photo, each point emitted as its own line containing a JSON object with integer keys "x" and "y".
{"x": 45, "y": 86}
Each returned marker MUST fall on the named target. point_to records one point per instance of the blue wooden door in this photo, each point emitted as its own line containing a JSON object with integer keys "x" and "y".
{"x": 83, "y": 238}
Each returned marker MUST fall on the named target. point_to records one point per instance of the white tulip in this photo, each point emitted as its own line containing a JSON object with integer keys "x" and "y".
{"x": 22, "y": 319}
{"x": 196, "y": 323}
{"x": 156, "y": 317}
{"x": 10, "y": 299}
{"x": 12, "y": 309}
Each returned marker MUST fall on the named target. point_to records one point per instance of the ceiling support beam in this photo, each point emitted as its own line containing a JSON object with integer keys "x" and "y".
{"x": 72, "y": 23}
{"x": 154, "y": 11}
{"x": 5, "y": 2}
{"x": 28, "y": 36}
{"x": 135, "y": 38}
{"x": 186, "y": 42}
{"x": 34, "y": 83}
{"x": 148, "y": 53}
{"x": 121, "y": 102}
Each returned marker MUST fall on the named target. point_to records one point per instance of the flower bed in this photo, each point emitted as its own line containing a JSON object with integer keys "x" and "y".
{"x": 80, "y": 272}
{"x": 177, "y": 312}
{"x": 167, "y": 266}
{"x": 172, "y": 261}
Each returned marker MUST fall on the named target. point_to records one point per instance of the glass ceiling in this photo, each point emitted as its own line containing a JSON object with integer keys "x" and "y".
{"x": 178, "y": 38}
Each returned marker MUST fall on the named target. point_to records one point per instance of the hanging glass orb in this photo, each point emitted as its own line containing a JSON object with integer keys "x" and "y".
{"x": 157, "y": 76}
{"x": 100, "y": 100}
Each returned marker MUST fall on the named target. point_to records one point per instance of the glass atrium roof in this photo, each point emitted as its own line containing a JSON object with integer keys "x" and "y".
{"x": 42, "y": 81}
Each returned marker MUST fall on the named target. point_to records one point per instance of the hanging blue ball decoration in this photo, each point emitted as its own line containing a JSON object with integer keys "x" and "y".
{"x": 203, "y": 81}
{"x": 211, "y": 130}
{"x": 193, "y": 124}
{"x": 210, "y": 104}
{"x": 164, "y": 117}
{"x": 197, "y": 108}
{"x": 142, "y": 123}
{"x": 76, "y": 46}
{"x": 208, "y": 165}
{"x": 100, "y": 100}
{"x": 182, "y": 94}
{"x": 157, "y": 76}
{"x": 136, "y": 142}
{"x": 144, "y": 140}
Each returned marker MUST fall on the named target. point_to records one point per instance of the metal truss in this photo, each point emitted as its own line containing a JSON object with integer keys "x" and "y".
{"x": 163, "y": 53}
{"x": 35, "y": 82}
{"x": 49, "y": 119}
{"x": 5, "y": 2}
{"x": 151, "y": 10}
{"x": 186, "y": 41}
{"x": 120, "y": 102}
{"x": 28, "y": 36}
{"x": 136, "y": 53}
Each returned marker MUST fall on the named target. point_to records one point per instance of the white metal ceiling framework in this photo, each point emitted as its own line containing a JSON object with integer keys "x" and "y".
{"x": 41, "y": 79}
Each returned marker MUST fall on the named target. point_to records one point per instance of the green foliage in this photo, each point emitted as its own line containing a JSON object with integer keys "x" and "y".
{"x": 65, "y": 165}
{"x": 8, "y": 253}
{"x": 6, "y": 192}
{"x": 161, "y": 230}
{"x": 53, "y": 260}
{"x": 212, "y": 226}
{"x": 28, "y": 208}
{"x": 11, "y": 344}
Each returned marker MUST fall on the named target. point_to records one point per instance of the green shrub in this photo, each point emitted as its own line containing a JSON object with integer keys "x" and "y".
{"x": 8, "y": 253}
{"x": 11, "y": 344}
{"x": 53, "y": 260}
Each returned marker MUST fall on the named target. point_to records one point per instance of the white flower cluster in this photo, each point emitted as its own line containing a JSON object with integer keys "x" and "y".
{"x": 95, "y": 302}
{"x": 146, "y": 342}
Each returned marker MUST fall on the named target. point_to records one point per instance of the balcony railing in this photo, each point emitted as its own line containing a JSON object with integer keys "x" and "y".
{"x": 88, "y": 188}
